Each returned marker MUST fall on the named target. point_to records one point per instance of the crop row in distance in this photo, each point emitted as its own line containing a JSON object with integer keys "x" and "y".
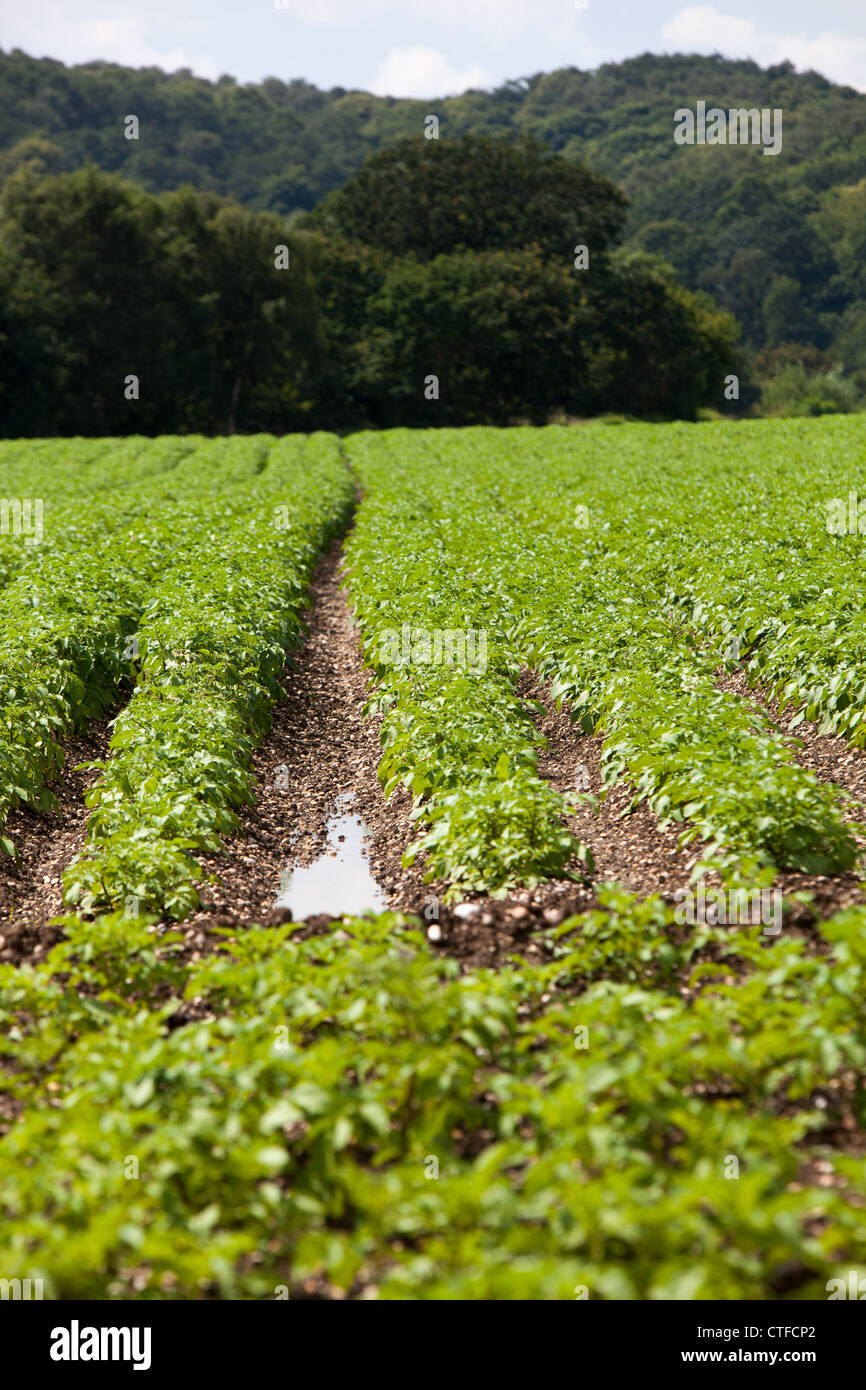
{"x": 353, "y": 1111}
{"x": 567, "y": 551}
{"x": 195, "y": 590}
{"x": 572, "y": 553}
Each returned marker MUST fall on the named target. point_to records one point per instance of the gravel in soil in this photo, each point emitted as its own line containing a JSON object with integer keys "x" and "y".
{"x": 319, "y": 747}
{"x": 31, "y": 889}
{"x": 831, "y": 759}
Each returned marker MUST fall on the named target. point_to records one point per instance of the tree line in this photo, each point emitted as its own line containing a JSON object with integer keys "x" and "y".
{"x": 447, "y": 282}
{"x": 779, "y": 243}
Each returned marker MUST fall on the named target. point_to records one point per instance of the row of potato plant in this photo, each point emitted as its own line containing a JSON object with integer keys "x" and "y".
{"x": 650, "y": 1113}
{"x": 567, "y": 547}
{"x": 212, "y": 639}
{"x": 66, "y": 618}
{"x": 348, "y": 1114}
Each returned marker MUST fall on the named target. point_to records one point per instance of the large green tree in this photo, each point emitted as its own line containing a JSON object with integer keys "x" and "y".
{"x": 427, "y": 198}
{"x": 484, "y": 294}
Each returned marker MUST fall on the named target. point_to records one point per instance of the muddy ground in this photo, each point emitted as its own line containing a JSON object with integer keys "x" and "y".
{"x": 321, "y": 745}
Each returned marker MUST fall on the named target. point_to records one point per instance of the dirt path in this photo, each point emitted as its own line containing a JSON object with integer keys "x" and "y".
{"x": 831, "y": 760}
{"x": 30, "y": 891}
{"x": 629, "y": 848}
{"x": 320, "y": 745}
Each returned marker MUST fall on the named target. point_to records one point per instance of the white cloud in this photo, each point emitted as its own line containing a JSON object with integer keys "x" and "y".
{"x": 122, "y": 40}
{"x": 44, "y": 30}
{"x": 491, "y": 16}
{"x": 425, "y": 72}
{"x": 319, "y": 12}
{"x": 704, "y": 29}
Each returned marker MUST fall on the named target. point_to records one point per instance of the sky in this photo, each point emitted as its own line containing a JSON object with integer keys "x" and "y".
{"x": 429, "y": 48}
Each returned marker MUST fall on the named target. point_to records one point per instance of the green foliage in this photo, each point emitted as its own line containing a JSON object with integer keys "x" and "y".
{"x": 652, "y": 348}
{"x": 102, "y": 279}
{"x": 347, "y": 330}
{"x": 501, "y": 332}
{"x": 73, "y": 592}
{"x": 349, "y": 1112}
{"x": 485, "y": 294}
{"x": 455, "y": 732}
{"x": 429, "y": 198}
{"x": 782, "y": 585}
{"x": 728, "y": 220}
{"x": 345, "y": 278}
{"x": 627, "y": 617}
{"x": 499, "y": 829}
{"x": 290, "y": 1134}
{"x": 793, "y": 392}
{"x": 212, "y": 637}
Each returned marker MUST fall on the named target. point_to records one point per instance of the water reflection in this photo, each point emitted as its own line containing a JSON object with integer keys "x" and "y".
{"x": 339, "y": 883}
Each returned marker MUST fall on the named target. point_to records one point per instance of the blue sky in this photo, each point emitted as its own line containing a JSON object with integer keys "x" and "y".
{"x": 431, "y": 48}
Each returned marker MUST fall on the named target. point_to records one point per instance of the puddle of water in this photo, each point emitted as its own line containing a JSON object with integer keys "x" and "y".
{"x": 339, "y": 882}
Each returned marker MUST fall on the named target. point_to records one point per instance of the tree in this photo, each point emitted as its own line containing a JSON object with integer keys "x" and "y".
{"x": 104, "y": 282}
{"x": 249, "y": 280}
{"x": 653, "y": 348}
{"x": 432, "y": 197}
{"x": 497, "y": 330}
{"x": 93, "y": 290}
{"x": 346, "y": 278}
{"x": 787, "y": 318}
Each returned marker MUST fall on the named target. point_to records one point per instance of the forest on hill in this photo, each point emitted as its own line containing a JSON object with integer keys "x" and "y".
{"x": 778, "y": 243}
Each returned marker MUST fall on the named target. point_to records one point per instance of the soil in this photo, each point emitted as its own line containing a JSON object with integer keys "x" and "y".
{"x": 628, "y": 848}
{"x": 30, "y": 889}
{"x": 321, "y": 744}
{"x": 831, "y": 760}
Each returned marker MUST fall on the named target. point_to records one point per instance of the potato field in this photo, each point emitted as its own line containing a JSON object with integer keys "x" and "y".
{"x": 596, "y": 698}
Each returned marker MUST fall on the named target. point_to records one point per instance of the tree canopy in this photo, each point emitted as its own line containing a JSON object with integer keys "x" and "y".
{"x": 545, "y": 162}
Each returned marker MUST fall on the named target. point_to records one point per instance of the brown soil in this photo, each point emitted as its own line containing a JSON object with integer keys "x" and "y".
{"x": 831, "y": 759}
{"x": 319, "y": 746}
{"x": 323, "y": 745}
{"x": 30, "y": 890}
{"x": 630, "y": 848}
